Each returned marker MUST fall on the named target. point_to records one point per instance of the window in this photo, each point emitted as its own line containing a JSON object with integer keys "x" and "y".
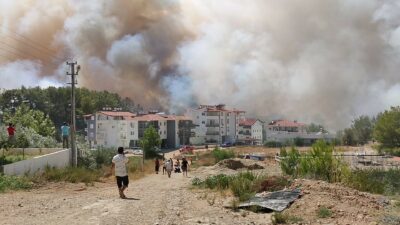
{"x": 160, "y": 132}
{"x": 165, "y": 123}
{"x": 160, "y": 124}
{"x": 203, "y": 122}
{"x": 203, "y": 114}
{"x": 165, "y": 132}
{"x": 132, "y": 133}
{"x": 132, "y": 125}
{"x": 91, "y": 126}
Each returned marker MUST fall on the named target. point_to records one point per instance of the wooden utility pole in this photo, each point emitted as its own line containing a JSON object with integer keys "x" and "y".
{"x": 73, "y": 73}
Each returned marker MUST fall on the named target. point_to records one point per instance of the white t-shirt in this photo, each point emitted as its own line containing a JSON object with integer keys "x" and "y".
{"x": 168, "y": 165}
{"x": 120, "y": 162}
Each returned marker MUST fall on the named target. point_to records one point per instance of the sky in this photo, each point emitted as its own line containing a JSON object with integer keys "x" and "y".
{"x": 316, "y": 61}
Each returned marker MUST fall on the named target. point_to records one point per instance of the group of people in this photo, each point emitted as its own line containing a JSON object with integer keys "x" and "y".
{"x": 119, "y": 168}
{"x": 169, "y": 166}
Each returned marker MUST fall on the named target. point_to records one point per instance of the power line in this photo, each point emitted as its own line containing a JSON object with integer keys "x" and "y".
{"x": 28, "y": 41}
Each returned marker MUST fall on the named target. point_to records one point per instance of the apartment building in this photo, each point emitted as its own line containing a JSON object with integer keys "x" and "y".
{"x": 112, "y": 129}
{"x": 214, "y": 124}
{"x": 250, "y": 131}
{"x": 285, "y": 131}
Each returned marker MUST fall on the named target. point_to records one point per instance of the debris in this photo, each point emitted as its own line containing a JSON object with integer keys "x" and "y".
{"x": 276, "y": 201}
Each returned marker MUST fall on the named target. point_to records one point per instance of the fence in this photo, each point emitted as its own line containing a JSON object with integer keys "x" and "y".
{"x": 59, "y": 159}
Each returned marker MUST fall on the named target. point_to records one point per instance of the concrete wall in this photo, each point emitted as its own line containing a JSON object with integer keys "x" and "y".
{"x": 35, "y": 151}
{"x": 58, "y": 159}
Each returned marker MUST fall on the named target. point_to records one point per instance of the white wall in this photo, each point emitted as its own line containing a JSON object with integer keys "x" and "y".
{"x": 60, "y": 159}
{"x": 34, "y": 151}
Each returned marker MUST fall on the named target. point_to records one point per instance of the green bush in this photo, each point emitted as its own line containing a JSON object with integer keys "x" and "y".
{"x": 290, "y": 162}
{"x": 95, "y": 159}
{"x": 375, "y": 181}
{"x": 14, "y": 183}
{"x": 324, "y": 212}
{"x": 220, "y": 155}
{"x": 320, "y": 163}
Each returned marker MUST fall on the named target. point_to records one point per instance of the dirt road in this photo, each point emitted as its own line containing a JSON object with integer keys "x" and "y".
{"x": 155, "y": 199}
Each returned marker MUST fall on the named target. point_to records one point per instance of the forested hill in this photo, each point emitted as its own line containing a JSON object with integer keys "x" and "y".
{"x": 55, "y": 102}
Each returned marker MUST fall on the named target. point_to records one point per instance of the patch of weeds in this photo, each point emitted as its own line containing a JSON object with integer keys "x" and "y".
{"x": 375, "y": 181}
{"x": 324, "y": 212}
{"x": 284, "y": 218}
{"x": 14, "y": 183}
{"x": 220, "y": 155}
{"x": 280, "y": 218}
{"x": 235, "y": 204}
{"x": 70, "y": 174}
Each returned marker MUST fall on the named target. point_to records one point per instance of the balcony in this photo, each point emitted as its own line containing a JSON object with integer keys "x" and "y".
{"x": 212, "y": 125}
{"x": 212, "y": 133}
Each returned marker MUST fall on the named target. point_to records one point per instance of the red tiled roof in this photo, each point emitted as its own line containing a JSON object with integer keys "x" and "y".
{"x": 286, "y": 123}
{"x": 247, "y": 122}
{"x": 117, "y": 113}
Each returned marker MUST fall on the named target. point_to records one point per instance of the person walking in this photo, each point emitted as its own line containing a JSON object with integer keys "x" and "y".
{"x": 65, "y": 134}
{"x": 169, "y": 167}
{"x": 185, "y": 166}
{"x": 157, "y": 165}
{"x": 164, "y": 169}
{"x": 118, "y": 166}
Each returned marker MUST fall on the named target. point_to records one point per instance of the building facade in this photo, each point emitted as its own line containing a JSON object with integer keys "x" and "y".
{"x": 113, "y": 129}
{"x": 287, "y": 132}
{"x": 214, "y": 124}
{"x": 250, "y": 131}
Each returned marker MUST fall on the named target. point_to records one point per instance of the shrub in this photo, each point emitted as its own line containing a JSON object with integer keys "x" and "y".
{"x": 290, "y": 162}
{"x": 279, "y": 218}
{"x": 243, "y": 185}
{"x": 220, "y": 155}
{"x": 324, "y": 212}
{"x": 14, "y": 183}
{"x": 320, "y": 163}
{"x": 375, "y": 181}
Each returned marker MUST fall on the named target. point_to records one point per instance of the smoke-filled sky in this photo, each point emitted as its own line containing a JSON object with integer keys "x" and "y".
{"x": 314, "y": 61}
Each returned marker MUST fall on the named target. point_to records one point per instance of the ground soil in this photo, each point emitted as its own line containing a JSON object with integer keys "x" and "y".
{"x": 157, "y": 199}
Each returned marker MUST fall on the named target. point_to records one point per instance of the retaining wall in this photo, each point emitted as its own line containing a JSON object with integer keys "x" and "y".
{"x": 58, "y": 159}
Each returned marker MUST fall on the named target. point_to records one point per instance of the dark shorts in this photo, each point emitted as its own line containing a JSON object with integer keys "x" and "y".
{"x": 184, "y": 168}
{"x": 122, "y": 181}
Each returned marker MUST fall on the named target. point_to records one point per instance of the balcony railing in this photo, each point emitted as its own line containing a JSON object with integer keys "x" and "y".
{"x": 212, "y": 125}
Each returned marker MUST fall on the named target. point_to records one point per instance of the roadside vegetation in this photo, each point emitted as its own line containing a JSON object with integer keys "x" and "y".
{"x": 14, "y": 183}
{"x": 242, "y": 185}
{"x": 320, "y": 164}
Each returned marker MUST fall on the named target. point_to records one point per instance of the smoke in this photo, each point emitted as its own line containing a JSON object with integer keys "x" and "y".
{"x": 319, "y": 61}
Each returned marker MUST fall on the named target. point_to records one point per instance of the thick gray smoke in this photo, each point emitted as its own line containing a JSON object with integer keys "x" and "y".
{"x": 322, "y": 61}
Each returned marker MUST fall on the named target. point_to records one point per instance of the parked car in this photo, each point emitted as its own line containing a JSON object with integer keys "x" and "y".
{"x": 186, "y": 149}
{"x": 137, "y": 152}
{"x": 227, "y": 144}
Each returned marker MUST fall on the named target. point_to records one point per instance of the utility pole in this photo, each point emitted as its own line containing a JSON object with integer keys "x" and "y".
{"x": 73, "y": 73}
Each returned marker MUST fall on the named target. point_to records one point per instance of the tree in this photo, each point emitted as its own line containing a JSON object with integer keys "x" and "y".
{"x": 387, "y": 128}
{"x": 348, "y": 137}
{"x": 150, "y": 141}
{"x": 362, "y": 128}
{"x": 35, "y": 119}
{"x": 312, "y": 128}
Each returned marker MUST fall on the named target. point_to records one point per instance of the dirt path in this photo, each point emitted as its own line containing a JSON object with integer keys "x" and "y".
{"x": 155, "y": 199}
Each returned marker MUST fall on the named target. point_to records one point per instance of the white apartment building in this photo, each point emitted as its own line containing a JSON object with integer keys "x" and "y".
{"x": 113, "y": 129}
{"x": 250, "y": 131}
{"x": 214, "y": 124}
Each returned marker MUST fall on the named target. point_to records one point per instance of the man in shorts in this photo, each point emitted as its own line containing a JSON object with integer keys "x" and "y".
{"x": 119, "y": 162}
